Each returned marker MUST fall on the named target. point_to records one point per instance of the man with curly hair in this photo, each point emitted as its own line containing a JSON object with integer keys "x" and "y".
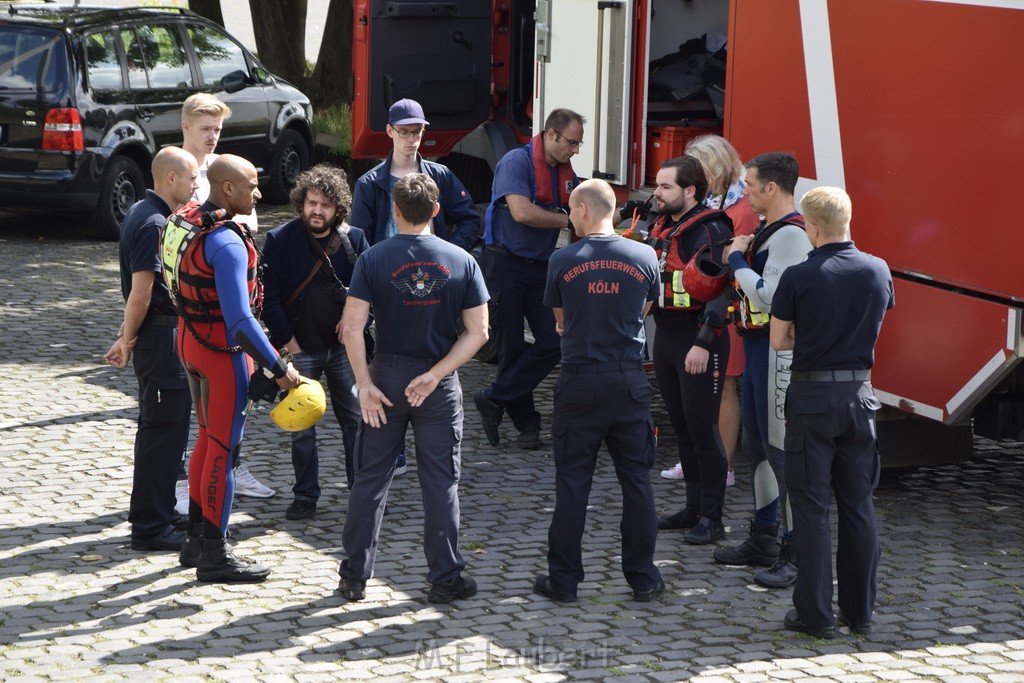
{"x": 307, "y": 267}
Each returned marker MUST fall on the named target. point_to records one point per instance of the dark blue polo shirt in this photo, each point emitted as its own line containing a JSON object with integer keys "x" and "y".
{"x": 139, "y": 248}
{"x": 602, "y": 283}
{"x": 418, "y": 286}
{"x": 836, "y": 300}
{"x": 515, "y": 175}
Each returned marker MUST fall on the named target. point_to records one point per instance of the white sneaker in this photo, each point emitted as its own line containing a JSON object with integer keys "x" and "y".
{"x": 675, "y": 472}
{"x": 730, "y": 478}
{"x": 246, "y": 484}
{"x": 181, "y": 497}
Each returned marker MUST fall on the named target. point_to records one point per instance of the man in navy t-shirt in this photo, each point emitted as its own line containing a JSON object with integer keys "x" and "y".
{"x": 600, "y": 289}
{"x": 150, "y": 331}
{"x": 829, "y": 310}
{"x": 420, "y": 287}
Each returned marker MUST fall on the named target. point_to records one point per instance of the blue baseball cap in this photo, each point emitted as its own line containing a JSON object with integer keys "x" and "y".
{"x": 404, "y": 112}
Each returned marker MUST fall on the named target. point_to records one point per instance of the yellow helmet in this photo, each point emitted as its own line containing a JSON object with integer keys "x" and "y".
{"x": 301, "y": 408}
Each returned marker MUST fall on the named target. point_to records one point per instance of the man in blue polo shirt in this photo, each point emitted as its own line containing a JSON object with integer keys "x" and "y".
{"x": 529, "y": 209}
{"x": 600, "y": 290}
{"x": 829, "y": 310}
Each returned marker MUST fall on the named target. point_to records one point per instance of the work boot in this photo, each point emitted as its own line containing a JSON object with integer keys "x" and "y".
{"x": 760, "y": 550}
{"x": 783, "y": 573}
{"x": 219, "y": 563}
{"x": 192, "y": 548}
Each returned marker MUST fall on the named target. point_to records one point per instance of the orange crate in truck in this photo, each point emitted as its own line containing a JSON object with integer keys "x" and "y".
{"x": 668, "y": 142}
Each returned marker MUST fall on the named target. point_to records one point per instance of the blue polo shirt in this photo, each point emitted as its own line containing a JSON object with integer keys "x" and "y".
{"x": 139, "y": 248}
{"x": 836, "y": 300}
{"x": 515, "y": 175}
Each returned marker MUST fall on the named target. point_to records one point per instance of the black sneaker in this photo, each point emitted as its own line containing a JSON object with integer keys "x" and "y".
{"x": 542, "y": 586}
{"x": 650, "y": 594}
{"x": 169, "y": 539}
{"x": 490, "y": 416}
{"x": 792, "y": 622}
{"x": 707, "y": 531}
{"x": 352, "y": 590}
{"x": 529, "y": 439}
{"x": 687, "y": 518}
{"x": 300, "y": 509}
{"x": 456, "y": 589}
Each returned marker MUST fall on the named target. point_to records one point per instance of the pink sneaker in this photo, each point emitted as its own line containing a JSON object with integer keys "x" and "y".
{"x": 730, "y": 478}
{"x": 673, "y": 473}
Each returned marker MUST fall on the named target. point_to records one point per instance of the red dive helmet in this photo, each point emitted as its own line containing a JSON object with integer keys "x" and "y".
{"x": 703, "y": 278}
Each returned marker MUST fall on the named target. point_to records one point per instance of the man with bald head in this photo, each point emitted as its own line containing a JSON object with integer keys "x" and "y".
{"x": 215, "y": 289}
{"x": 150, "y": 331}
{"x": 600, "y": 288}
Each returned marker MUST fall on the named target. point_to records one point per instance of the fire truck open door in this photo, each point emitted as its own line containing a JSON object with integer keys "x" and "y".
{"x": 583, "y": 58}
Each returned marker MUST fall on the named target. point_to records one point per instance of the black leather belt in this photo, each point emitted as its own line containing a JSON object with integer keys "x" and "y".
{"x": 497, "y": 249}
{"x": 599, "y": 368}
{"x": 159, "y": 320}
{"x": 830, "y": 375}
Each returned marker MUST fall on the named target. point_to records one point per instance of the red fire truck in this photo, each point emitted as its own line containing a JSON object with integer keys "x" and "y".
{"x": 916, "y": 107}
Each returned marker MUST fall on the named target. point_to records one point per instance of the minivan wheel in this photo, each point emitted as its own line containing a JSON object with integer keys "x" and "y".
{"x": 123, "y": 184}
{"x": 291, "y": 157}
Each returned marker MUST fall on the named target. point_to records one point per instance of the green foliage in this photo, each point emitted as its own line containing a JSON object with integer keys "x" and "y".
{"x": 336, "y": 122}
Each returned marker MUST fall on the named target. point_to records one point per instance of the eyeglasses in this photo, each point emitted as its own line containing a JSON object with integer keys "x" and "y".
{"x": 405, "y": 134}
{"x": 575, "y": 144}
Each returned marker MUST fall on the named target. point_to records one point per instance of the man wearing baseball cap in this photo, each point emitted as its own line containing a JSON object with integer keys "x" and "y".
{"x": 372, "y": 209}
{"x": 457, "y": 222}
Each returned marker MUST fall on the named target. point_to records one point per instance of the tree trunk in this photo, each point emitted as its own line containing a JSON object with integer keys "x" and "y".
{"x": 209, "y": 9}
{"x": 280, "y": 51}
{"x": 331, "y": 82}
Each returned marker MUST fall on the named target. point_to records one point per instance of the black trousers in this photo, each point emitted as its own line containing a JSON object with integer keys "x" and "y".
{"x": 693, "y": 403}
{"x": 517, "y": 289}
{"x": 594, "y": 404}
{"x": 831, "y": 446}
{"x": 165, "y": 408}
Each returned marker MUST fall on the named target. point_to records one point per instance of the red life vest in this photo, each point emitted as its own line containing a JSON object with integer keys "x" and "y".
{"x": 745, "y": 312}
{"x": 189, "y": 276}
{"x": 673, "y": 296}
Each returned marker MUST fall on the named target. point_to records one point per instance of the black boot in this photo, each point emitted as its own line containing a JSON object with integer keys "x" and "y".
{"x": 783, "y": 573}
{"x": 760, "y": 550}
{"x": 219, "y": 563}
{"x": 192, "y": 548}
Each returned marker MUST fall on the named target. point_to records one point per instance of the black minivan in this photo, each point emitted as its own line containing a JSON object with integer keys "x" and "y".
{"x": 88, "y": 96}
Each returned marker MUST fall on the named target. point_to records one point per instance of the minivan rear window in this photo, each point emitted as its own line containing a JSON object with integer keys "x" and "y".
{"x": 30, "y": 59}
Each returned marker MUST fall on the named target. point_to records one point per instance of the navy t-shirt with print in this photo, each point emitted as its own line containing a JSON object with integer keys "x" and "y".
{"x": 418, "y": 286}
{"x": 602, "y": 284}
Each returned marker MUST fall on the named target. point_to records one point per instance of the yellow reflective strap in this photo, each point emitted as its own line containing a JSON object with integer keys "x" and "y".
{"x": 680, "y": 298}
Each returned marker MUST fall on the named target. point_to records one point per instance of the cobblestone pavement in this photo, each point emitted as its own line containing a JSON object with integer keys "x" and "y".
{"x": 77, "y": 603}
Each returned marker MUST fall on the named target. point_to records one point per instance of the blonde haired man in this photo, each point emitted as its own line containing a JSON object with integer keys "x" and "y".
{"x": 202, "y": 121}
{"x": 830, "y": 413}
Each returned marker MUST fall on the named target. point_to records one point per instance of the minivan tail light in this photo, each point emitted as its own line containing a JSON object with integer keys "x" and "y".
{"x": 62, "y": 131}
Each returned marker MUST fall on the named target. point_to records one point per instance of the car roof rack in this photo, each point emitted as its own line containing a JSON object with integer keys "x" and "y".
{"x": 87, "y": 14}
